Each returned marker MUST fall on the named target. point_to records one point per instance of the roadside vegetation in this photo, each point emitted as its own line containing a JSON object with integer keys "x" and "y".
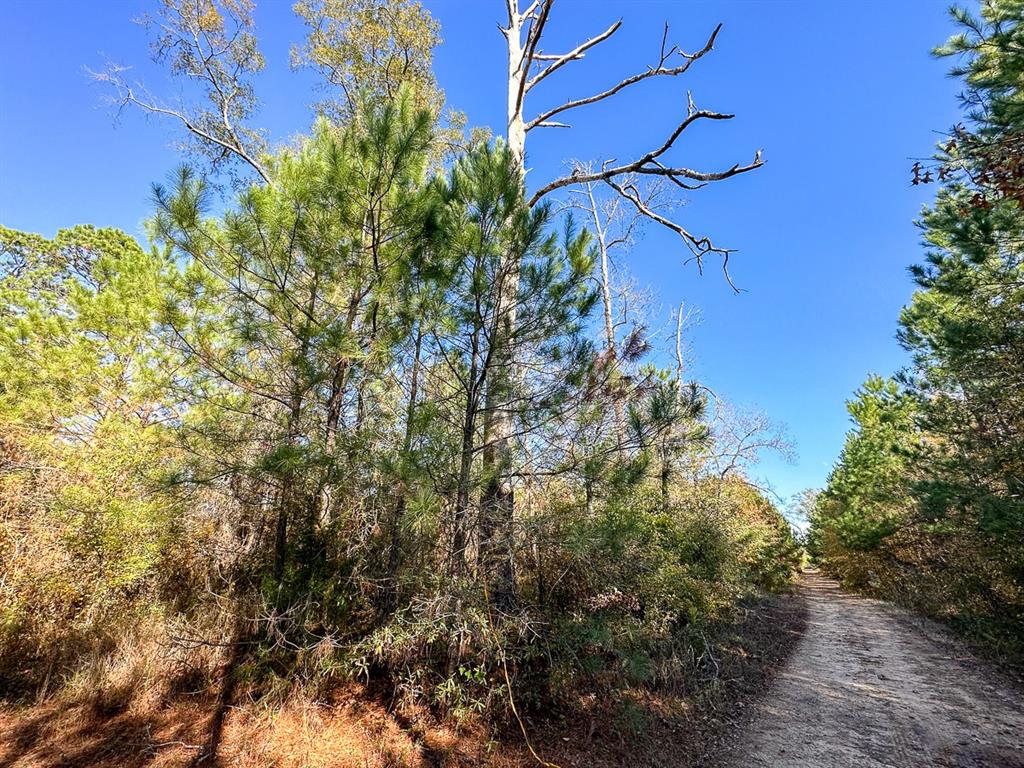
{"x": 362, "y": 431}
{"x": 925, "y": 505}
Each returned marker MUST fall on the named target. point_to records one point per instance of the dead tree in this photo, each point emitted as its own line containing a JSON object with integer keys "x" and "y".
{"x": 529, "y": 65}
{"x": 679, "y": 345}
{"x": 615, "y": 225}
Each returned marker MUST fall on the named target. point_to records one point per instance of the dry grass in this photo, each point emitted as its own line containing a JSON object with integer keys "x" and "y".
{"x": 131, "y": 714}
{"x": 70, "y": 735}
{"x": 297, "y": 735}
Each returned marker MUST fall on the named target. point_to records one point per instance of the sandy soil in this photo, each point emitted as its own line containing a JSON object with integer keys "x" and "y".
{"x": 869, "y": 685}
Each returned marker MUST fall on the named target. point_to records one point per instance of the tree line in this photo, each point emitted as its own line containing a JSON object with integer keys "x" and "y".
{"x": 362, "y": 407}
{"x": 924, "y": 504}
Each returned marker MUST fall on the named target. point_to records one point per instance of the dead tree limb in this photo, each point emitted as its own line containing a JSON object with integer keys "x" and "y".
{"x": 529, "y": 66}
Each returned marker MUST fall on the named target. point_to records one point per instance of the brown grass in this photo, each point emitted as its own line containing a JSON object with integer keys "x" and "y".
{"x": 157, "y": 727}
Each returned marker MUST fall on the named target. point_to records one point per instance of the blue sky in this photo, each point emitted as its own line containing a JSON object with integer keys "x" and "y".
{"x": 840, "y": 96}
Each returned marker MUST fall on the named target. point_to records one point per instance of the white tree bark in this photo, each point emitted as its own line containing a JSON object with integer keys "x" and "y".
{"x": 523, "y": 34}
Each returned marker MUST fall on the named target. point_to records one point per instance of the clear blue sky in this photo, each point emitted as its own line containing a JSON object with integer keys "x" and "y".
{"x": 840, "y": 96}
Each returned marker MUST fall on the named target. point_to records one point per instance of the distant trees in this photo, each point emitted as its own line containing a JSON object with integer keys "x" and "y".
{"x": 868, "y": 497}
{"x": 925, "y": 502}
{"x": 83, "y": 441}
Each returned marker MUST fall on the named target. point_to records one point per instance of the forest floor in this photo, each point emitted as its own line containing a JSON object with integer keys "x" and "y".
{"x": 684, "y": 728}
{"x": 872, "y": 686}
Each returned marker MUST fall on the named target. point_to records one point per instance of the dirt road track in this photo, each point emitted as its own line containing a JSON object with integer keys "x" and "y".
{"x": 867, "y": 687}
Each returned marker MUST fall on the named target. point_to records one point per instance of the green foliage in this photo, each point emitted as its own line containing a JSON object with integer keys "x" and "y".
{"x": 924, "y": 504}
{"x": 369, "y": 49}
{"x": 866, "y": 494}
{"x": 350, "y": 421}
{"x": 989, "y": 46}
{"x": 85, "y": 529}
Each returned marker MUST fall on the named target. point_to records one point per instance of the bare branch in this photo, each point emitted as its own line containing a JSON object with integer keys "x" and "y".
{"x": 621, "y": 178}
{"x": 532, "y": 40}
{"x": 659, "y": 70}
{"x": 211, "y": 45}
{"x": 126, "y": 95}
{"x": 541, "y": 56}
{"x": 575, "y": 53}
{"x": 530, "y": 10}
{"x": 698, "y": 246}
{"x": 648, "y": 164}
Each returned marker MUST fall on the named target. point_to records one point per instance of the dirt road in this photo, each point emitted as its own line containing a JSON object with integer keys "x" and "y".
{"x": 868, "y": 687}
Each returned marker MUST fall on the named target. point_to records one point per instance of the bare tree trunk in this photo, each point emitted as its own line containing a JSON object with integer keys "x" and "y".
{"x": 496, "y": 540}
{"x": 606, "y": 295}
{"x": 460, "y": 536}
{"x": 606, "y": 300}
{"x": 334, "y": 400}
{"x": 517, "y": 72}
{"x": 667, "y": 451}
{"x": 289, "y": 494}
{"x": 679, "y": 345}
{"x": 343, "y": 367}
{"x": 281, "y": 532}
{"x": 665, "y": 474}
{"x": 290, "y": 497}
{"x": 497, "y": 503}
